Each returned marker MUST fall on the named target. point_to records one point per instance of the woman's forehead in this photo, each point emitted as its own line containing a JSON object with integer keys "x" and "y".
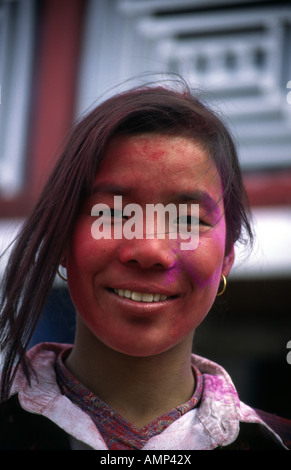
{"x": 162, "y": 163}
{"x": 150, "y": 151}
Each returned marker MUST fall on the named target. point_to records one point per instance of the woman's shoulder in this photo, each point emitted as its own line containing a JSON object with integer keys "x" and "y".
{"x": 24, "y": 427}
{"x": 22, "y": 430}
{"x": 280, "y": 425}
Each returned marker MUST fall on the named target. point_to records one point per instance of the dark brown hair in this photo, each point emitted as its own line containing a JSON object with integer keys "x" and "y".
{"x": 38, "y": 248}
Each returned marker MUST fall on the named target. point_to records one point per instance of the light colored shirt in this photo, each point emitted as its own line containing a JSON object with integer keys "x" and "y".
{"x": 213, "y": 423}
{"x": 118, "y": 433}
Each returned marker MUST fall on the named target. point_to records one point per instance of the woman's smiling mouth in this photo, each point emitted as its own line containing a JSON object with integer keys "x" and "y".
{"x": 140, "y": 296}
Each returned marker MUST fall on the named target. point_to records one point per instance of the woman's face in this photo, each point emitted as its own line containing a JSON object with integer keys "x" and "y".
{"x": 168, "y": 290}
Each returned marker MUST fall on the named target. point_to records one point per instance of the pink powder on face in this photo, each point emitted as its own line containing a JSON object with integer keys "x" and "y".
{"x": 181, "y": 172}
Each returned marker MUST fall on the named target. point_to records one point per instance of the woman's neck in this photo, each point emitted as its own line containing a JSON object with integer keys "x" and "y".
{"x": 139, "y": 388}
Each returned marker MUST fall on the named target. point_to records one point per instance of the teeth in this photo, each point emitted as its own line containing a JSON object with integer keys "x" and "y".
{"x": 139, "y": 296}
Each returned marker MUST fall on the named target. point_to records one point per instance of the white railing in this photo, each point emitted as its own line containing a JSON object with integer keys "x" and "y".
{"x": 238, "y": 56}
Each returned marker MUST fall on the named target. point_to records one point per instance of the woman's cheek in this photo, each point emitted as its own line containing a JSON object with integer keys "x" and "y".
{"x": 203, "y": 262}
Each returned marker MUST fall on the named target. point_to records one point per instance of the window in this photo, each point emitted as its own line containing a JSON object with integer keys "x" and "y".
{"x": 16, "y": 49}
{"x": 237, "y": 51}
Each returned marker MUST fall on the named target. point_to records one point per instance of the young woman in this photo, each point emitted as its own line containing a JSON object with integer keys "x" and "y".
{"x": 130, "y": 380}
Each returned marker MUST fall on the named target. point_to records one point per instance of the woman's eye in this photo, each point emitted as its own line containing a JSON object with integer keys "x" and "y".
{"x": 113, "y": 214}
{"x": 188, "y": 220}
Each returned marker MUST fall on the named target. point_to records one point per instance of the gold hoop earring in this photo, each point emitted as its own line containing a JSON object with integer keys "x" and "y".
{"x": 224, "y": 286}
{"x": 61, "y": 276}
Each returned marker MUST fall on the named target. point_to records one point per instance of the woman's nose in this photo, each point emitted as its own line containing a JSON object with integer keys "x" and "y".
{"x": 148, "y": 253}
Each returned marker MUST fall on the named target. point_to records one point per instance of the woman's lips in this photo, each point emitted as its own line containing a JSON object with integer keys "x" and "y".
{"x": 144, "y": 294}
{"x": 140, "y": 296}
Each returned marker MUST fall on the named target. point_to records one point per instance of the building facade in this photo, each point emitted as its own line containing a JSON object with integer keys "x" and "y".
{"x": 60, "y": 58}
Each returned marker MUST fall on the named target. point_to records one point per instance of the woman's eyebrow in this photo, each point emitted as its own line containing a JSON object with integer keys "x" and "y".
{"x": 110, "y": 188}
{"x": 198, "y": 197}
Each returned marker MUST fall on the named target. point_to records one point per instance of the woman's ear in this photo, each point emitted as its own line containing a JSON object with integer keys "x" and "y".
{"x": 228, "y": 261}
{"x": 63, "y": 261}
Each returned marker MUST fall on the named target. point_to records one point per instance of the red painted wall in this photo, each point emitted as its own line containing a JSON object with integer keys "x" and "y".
{"x": 57, "y": 51}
